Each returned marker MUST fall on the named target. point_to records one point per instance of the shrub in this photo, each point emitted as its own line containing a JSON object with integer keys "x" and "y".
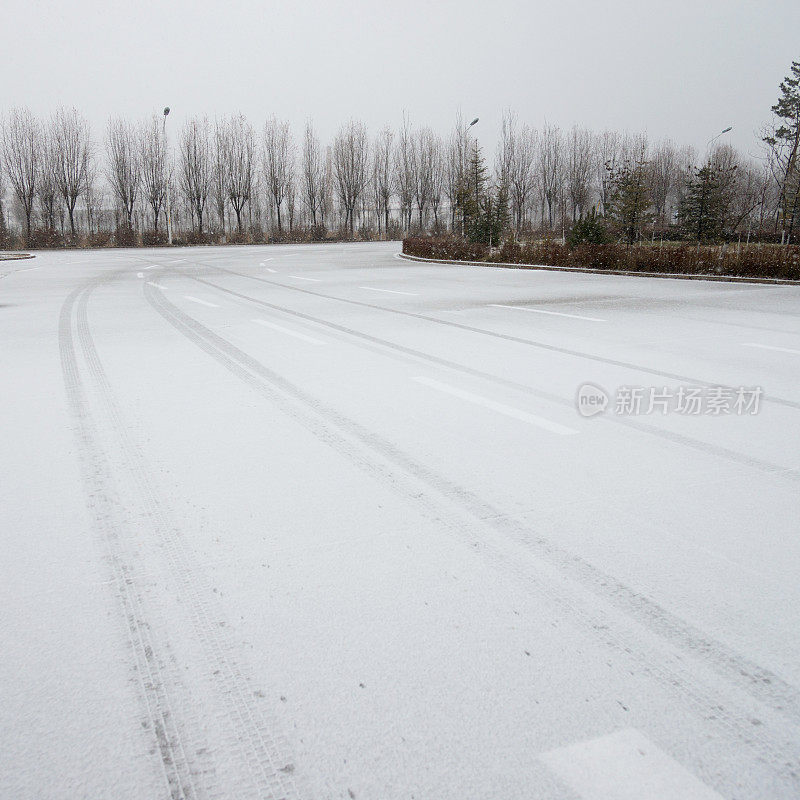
{"x": 589, "y": 230}
{"x": 753, "y": 261}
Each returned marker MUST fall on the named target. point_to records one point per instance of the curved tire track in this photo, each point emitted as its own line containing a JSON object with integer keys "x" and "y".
{"x": 774, "y": 741}
{"x": 670, "y": 436}
{"x": 262, "y": 757}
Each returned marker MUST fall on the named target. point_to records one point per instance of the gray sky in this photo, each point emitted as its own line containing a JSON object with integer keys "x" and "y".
{"x": 681, "y": 69}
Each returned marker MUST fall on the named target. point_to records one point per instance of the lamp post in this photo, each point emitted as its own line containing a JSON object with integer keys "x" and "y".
{"x": 169, "y": 176}
{"x": 714, "y": 139}
{"x": 464, "y": 166}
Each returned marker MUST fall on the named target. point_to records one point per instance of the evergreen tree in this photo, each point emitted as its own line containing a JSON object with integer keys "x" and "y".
{"x": 784, "y": 144}
{"x": 704, "y": 207}
{"x": 629, "y": 204}
{"x": 482, "y": 208}
{"x": 471, "y": 192}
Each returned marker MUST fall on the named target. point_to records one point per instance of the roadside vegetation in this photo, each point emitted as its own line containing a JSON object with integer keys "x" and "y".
{"x": 739, "y": 260}
{"x": 573, "y": 195}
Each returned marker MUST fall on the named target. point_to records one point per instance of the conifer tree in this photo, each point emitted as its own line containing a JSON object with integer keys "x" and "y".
{"x": 704, "y": 207}
{"x": 629, "y": 204}
{"x": 783, "y": 142}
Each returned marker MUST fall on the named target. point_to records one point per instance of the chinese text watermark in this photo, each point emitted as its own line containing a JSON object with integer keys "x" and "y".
{"x": 631, "y": 401}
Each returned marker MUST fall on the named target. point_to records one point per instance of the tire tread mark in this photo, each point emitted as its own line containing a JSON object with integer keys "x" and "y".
{"x": 670, "y": 436}
{"x": 175, "y": 766}
{"x": 553, "y": 348}
{"x": 263, "y": 755}
{"x": 360, "y": 446}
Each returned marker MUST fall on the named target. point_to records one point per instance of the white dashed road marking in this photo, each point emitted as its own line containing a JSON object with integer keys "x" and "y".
{"x": 501, "y": 408}
{"x": 625, "y": 765}
{"x": 552, "y": 313}
{"x": 388, "y": 291}
{"x": 202, "y": 302}
{"x": 288, "y": 331}
{"x": 772, "y": 347}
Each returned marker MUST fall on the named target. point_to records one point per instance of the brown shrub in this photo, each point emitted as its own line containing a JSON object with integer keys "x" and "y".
{"x": 747, "y": 261}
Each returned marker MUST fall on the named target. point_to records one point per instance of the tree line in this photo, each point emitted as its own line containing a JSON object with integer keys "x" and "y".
{"x": 228, "y": 180}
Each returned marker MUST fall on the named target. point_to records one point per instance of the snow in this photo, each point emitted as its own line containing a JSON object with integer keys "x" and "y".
{"x": 253, "y": 548}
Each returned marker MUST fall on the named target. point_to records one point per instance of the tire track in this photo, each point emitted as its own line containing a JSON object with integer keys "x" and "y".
{"x": 380, "y": 345}
{"x": 176, "y": 768}
{"x": 507, "y": 337}
{"x": 774, "y": 741}
{"x": 264, "y": 767}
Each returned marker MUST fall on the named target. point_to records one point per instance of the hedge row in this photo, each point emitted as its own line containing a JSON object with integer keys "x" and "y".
{"x": 750, "y": 261}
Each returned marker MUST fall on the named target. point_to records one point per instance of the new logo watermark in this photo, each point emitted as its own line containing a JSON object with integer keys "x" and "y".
{"x": 631, "y": 401}
{"x": 591, "y": 399}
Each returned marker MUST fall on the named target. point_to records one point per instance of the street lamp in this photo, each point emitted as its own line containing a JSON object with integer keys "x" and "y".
{"x": 169, "y": 209}
{"x": 714, "y": 139}
{"x": 464, "y": 165}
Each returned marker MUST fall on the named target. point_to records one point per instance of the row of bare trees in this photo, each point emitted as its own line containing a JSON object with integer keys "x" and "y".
{"x": 229, "y": 181}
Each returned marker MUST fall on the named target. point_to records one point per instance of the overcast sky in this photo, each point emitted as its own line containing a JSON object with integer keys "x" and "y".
{"x": 679, "y": 69}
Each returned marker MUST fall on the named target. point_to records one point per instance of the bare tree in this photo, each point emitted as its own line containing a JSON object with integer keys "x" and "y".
{"x": 291, "y": 200}
{"x": 455, "y": 166}
{"x": 240, "y": 165}
{"x": 404, "y": 173}
{"x": 326, "y": 189}
{"x": 382, "y": 176}
{"x": 313, "y": 173}
{"x": 47, "y": 183}
{"x": 219, "y": 183}
{"x": 92, "y": 197}
{"x": 425, "y": 155}
{"x": 154, "y": 167}
{"x": 279, "y": 160}
{"x": 3, "y": 224}
{"x": 437, "y": 180}
{"x": 73, "y": 151}
{"x": 195, "y": 170}
{"x": 22, "y": 147}
{"x": 663, "y": 176}
{"x": 350, "y": 159}
{"x": 579, "y": 163}
{"x": 123, "y": 165}
{"x": 551, "y": 162}
{"x": 515, "y": 165}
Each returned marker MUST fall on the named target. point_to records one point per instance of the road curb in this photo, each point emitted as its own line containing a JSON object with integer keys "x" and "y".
{"x": 6, "y": 256}
{"x": 590, "y": 271}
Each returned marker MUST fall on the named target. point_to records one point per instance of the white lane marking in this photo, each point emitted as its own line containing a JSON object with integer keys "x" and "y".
{"x": 265, "y": 261}
{"x": 509, "y": 411}
{"x": 140, "y": 274}
{"x": 288, "y": 331}
{"x": 157, "y": 285}
{"x": 771, "y": 347}
{"x": 202, "y": 302}
{"x": 269, "y": 269}
{"x": 301, "y": 278}
{"x": 552, "y": 313}
{"x": 152, "y": 266}
{"x": 388, "y": 291}
{"x": 625, "y": 765}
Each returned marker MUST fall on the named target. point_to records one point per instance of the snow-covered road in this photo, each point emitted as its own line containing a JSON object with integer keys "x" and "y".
{"x": 318, "y": 522}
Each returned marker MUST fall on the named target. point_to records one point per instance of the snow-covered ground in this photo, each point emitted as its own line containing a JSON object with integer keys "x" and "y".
{"x": 316, "y": 522}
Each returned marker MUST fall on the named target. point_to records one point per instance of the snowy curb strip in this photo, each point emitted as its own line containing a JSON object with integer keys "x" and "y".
{"x": 674, "y": 275}
{"x": 6, "y": 256}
